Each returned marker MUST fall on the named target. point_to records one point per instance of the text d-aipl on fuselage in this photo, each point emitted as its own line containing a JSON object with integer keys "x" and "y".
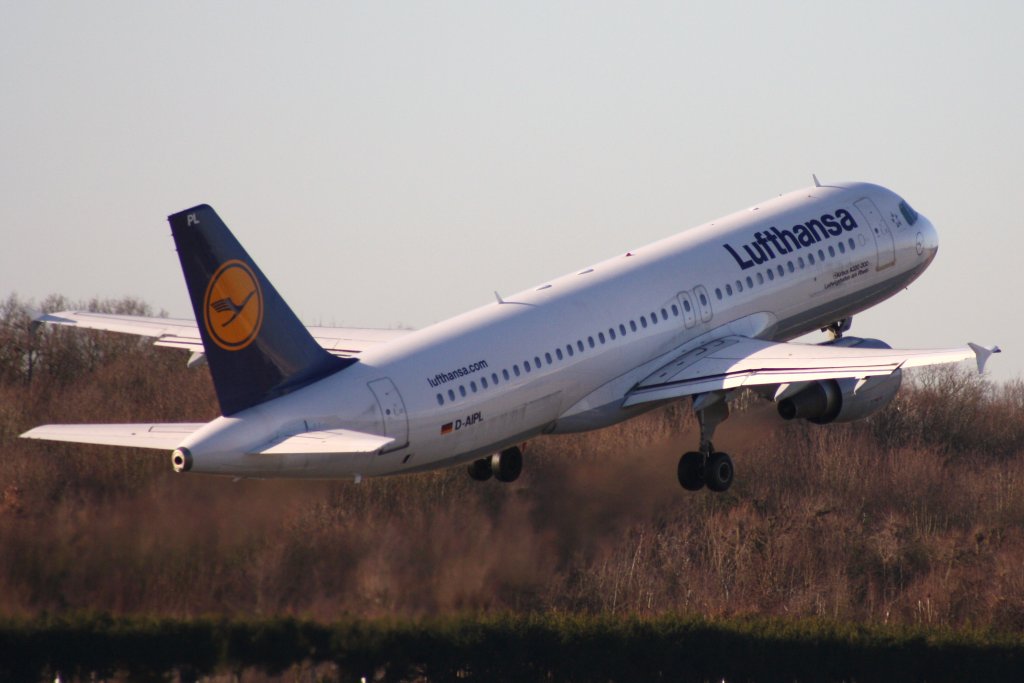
{"x": 698, "y": 315}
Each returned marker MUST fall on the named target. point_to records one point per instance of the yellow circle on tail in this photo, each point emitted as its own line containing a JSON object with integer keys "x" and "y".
{"x": 233, "y": 306}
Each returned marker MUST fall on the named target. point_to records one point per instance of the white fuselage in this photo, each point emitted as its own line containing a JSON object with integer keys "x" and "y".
{"x": 561, "y": 356}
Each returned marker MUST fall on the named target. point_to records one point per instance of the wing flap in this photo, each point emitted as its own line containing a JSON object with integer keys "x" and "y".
{"x": 331, "y": 441}
{"x": 165, "y": 436}
{"x": 734, "y": 362}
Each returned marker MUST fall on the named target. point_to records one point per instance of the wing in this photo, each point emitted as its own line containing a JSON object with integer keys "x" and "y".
{"x": 165, "y": 436}
{"x": 344, "y": 342}
{"x": 733, "y": 362}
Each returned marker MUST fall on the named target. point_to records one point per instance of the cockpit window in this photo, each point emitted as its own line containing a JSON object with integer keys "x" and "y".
{"x": 908, "y": 213}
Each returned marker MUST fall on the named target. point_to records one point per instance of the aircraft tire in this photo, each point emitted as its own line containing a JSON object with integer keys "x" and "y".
{"x": 480, "y": 470}
{"x": 719, "y": 472}
{"x": 691, "y": 471}
{"x": 507, "y": 465}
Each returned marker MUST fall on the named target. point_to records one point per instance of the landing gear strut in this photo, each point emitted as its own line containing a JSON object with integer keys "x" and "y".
{"x": 505, "y": 466}
{"x": 835, "y": 330}
{"x": 707, "y": 467}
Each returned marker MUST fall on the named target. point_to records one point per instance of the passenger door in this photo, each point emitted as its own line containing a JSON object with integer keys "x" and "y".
{"x": 392, "y": 411}
{"x": 884, "y": 240}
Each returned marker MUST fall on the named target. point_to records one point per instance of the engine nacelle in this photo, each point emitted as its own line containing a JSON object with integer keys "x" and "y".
{"x": 834, "y": 400}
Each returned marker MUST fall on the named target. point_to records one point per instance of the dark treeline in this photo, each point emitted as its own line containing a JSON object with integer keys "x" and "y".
{"x": 513, "y": 649}
{"x": 912, "y": 518}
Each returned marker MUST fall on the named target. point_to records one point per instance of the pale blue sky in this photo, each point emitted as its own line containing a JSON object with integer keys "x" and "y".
{"x": 395, "y": 163}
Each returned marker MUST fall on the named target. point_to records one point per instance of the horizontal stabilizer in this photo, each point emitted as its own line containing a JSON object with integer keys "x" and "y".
{"x": 337, "y": 441}
{"x": 166, "y": 436}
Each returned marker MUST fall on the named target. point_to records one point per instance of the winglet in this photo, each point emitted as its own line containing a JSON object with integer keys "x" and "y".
{"x": 982, "y": 354}
{"x": 817, "y": 183}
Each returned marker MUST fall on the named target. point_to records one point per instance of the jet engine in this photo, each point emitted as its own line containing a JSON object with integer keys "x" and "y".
{"x": 840, "y": 400}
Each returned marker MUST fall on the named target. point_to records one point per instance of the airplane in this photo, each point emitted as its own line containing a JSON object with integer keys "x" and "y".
{"x": 699, "y": 315}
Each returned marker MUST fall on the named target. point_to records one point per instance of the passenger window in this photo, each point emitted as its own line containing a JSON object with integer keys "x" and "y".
{"x": 611, "y": 333}
{"x": 451, "y": 395}
{"x": 831, "y": 251}
{"x": 568, "y": 348}
{"x": 703, "y": 299}
{"x": 462, "y": 390}
{"x": 526, "y": 365}
{"x": 504, "y": 373}
{"x": 440, "y": 400}
{"x": 536, "y": 362}
{"x": 600, "y": 337}
{"x": 842, "y": 248}
{"x": 821, "y": 254}
{"x": 472, "y": 385}
{"x": 853, "y": 245}
{"x": 782, "y": 271}
{"x": 664, "y": 314}
{"x": 739, "y": 285}
{"x": 590, "y": 341}
{"x": 760, "y": 279}
{"x": 579, "y": 345}
{"x": 643, "y": 322}
{"x": 547, "y": 357}
{"x": 800, "y": 262}
{"x": 686, "y": 305}
{"x": 483, "y": 382}
{"x": 771, "y": 274}
{"x": 718, "y": 293}
{"x": 515, "y": 370}
{"x": 654, "y": 318}
{"x": 675, "y": 310}
{"x": 750, "y": 281}
{"x": 632, "y": 325}
{"x": 792, "y": 268}
{"x": 558, "y": 354}
{"x": 622, "y": 330}
{"x": 810, "y": 258}
{"x": 494, "y": 378}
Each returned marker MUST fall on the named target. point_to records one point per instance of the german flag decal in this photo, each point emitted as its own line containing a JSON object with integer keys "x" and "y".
{"x": 446, "y": 428}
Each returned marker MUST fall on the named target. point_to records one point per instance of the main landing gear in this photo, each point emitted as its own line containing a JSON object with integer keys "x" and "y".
{"x": 504, "y": 466}
{"x": 707, "y": 467}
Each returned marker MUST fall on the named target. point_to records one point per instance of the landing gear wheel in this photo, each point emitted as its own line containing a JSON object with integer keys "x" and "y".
{"x": 718, "y": 472}
{"x": 480, "y": 470}
{"x": 507, "y": 465}
{"x": 691, "y": 471}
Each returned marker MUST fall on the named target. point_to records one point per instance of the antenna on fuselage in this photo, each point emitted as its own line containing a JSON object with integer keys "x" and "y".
{"x": 817, "y": 183}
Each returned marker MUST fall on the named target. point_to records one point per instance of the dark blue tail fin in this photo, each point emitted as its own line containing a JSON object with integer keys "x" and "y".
{"x": 255, "y": 345}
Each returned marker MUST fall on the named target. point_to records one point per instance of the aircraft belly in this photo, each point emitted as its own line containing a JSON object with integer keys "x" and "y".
{"x": 799, "y": 320}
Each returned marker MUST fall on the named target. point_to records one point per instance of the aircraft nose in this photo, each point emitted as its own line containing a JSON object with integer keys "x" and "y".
{"x": 927, "y": 239}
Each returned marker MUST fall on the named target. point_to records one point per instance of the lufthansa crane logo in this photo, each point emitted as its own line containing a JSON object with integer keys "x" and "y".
{"x": 233, "y": 306}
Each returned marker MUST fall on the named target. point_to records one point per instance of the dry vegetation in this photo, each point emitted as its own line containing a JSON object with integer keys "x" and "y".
{"x": 914, "y": 517}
